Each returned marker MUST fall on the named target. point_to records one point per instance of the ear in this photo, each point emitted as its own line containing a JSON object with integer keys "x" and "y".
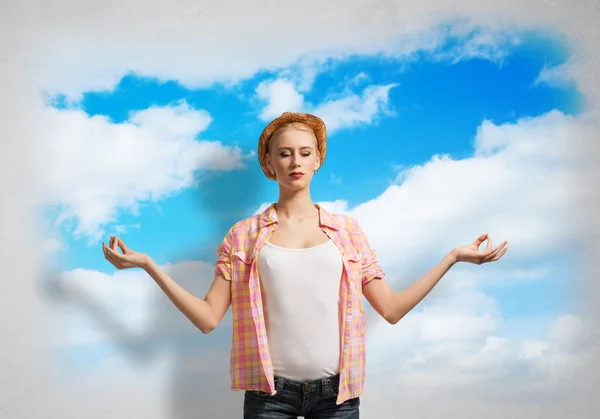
{"x": 318, "y": 161}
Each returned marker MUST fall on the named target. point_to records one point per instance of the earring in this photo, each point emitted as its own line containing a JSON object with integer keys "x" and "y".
{"x": 272, "y": 172}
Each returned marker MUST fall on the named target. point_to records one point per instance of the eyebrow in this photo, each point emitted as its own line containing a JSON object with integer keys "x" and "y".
{"x": 289, "y": 148}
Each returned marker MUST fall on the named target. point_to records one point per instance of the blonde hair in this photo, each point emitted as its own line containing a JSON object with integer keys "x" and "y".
{"x": 297, "y": 125}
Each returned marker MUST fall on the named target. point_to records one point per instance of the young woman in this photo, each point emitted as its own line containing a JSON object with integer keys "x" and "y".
{"x": 294, "y": 276}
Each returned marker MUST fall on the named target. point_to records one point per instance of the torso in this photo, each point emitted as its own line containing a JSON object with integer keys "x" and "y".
{"x": 300, "y": 271}
{"x": 300, "y": 295}
{"x": 249, "y": 361}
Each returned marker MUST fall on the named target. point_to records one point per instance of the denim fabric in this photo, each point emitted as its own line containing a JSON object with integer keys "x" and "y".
{"x": 310, "y": 399}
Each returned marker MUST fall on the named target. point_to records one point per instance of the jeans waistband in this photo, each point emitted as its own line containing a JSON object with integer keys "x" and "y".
{"x": 318, "y": 385}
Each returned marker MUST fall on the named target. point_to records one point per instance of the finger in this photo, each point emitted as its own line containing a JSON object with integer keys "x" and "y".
{"x": 497, "y": 253}
{"x": 499, "y": 248}
{"x": 494, "y": 251}
{"x": 122, "y": 245}
{"x": 490, "y": 253}
{"x": 113, "y": 244}
{"x": 106, "y": 251}
{"x": 480, "y": 240}
{"x": 114, "y": 257}
{"x": 489, "y": 243}
{"x": 496, "y": 257}
{"x": 488, "y": 256}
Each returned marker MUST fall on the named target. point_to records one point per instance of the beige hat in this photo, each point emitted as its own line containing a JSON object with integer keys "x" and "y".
{"x": 314, "y": 122}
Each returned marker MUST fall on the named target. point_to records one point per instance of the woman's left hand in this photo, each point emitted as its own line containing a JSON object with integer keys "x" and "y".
{"x": 471, "y": 253}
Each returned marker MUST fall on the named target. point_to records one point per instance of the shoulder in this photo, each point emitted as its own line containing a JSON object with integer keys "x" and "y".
{"x": 348, "y": 223}
{"x": 241, "y": 235}
{"x": 245, "y": 226}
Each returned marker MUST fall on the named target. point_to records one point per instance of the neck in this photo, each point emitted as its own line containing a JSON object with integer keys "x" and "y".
{"x": 295, "y": 204}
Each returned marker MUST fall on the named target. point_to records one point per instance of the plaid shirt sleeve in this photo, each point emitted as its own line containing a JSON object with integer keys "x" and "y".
{"x": 223, "y": 264}
{"x": 370, "y": 267}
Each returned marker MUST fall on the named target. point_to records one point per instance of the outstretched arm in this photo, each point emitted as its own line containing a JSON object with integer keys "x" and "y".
{"x": 393, "y": 306}
{"x": 205, "y": 313}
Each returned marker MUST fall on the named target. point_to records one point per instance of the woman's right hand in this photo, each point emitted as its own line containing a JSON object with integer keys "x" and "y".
{"x": 128, "y": 259}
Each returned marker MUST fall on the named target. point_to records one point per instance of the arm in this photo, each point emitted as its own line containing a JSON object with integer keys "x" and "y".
{"x": 205, "y": 313}
{"x": 394, "y": 306}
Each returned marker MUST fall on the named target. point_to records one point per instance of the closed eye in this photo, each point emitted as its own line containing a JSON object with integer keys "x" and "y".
{"x": 287, "y": 154}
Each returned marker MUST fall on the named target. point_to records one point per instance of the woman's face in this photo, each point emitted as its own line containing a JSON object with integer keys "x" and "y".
{"x": 293, "y": 156}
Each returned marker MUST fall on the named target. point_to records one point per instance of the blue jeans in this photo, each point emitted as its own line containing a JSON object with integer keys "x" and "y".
{"x": 310, "y": 399}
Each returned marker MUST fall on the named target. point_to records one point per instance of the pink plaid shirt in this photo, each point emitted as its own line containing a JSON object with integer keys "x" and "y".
{"x": 250, "y": 364}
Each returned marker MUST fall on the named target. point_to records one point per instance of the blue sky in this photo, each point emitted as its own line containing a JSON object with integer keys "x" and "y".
{"x": 434, "y": 108}
{"x": 437, "y": 109}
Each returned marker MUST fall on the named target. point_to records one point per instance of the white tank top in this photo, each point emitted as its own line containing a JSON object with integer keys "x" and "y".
{"x": 300, "y": 290}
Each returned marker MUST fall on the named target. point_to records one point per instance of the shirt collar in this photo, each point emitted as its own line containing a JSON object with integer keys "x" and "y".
{"x": 326, "y": 219}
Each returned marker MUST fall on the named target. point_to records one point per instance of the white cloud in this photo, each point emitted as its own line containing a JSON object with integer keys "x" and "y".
{"x": 281, "y": 95}
{"x": 50, "y": 245}
{"x": 120, "y": 332}
{"x": 568, "y": 330}
{"x": 491, "y": 42}
{"x": 557, "y": 76}
{"x": 443, "y": 326}
{"x": 346, "y": 110}
{"x": 360, "y": 77}
{"x": 534, "y": 349}
{"x": 91, "y": 168}
{"x": 85, "y": 299}
{"x": 275, "y": 38}
{"x": 354, "y": 110}
{"x": 467, "y": 351}
{"x": 518, "y": 183}
{"x": 161, "y": 121}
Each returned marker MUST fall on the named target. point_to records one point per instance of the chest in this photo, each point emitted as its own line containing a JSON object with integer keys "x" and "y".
{"x": 287, "y": 274}
{"x": 299, "y": 235}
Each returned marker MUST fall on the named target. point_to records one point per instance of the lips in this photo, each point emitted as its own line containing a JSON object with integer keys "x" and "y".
{"x": 296, "y": 175}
